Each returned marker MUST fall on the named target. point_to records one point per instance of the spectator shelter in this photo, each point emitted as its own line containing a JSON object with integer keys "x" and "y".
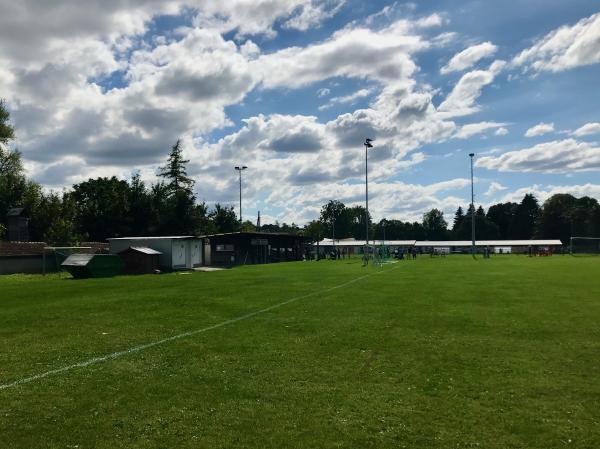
{"x": 507, "y": 246}
{"x": 140, "y": 260}
{"x": 351, "y": 246}
{"x": 239, "y": 248}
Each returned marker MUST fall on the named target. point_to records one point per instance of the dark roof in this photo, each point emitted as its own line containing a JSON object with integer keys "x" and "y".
{"x": 154, "y": 237}
{"x": 77, "y": 260}
{"x": 142, "y": 249}
{"x": 15, "y": 211}
{"x": 255, "y": 234}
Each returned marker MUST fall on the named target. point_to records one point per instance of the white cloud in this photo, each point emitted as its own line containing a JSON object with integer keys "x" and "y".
{"x": 540, "y": 129}
{"x": 461, "y": 100}
{"x": 313, "y": 14}
{"x": 347, "y": 99}
{"x": 469, "y": 57}
{"x": 258, "y": 16}
{"x": 472, "y": 129}
{"x": 543, "y": 192}
{"x": 564, "y": 48}
{"x": 494, "y": 188}
{"x": 587, "y": 129}
{"x": 559, "y": 156}
{"x": 384, "y": 55}
{"x": 501, "y": 132}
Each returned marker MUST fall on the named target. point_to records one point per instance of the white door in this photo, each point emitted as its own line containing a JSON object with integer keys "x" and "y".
{"x": 178, "y": 254}
{"x": 196, "y": 254}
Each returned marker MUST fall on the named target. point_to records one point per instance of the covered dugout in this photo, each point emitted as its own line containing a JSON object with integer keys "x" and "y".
{"x": 93, "y": 265}
{"x": 140, "y": 260}
{"x": 239, "y": 248}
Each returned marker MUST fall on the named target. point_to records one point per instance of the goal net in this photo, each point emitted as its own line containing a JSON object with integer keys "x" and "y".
{"x": 381, "y": 255}
{"x": 585, "y": 246}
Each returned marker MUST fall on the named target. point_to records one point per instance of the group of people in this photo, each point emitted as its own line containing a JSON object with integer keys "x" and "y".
{"x": 408, "y": 253}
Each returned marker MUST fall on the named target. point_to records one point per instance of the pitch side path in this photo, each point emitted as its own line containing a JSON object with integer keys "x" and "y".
{"x": 433, "y": 353}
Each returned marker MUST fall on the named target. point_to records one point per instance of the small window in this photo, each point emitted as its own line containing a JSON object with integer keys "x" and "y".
{"x": 224, "y": 247}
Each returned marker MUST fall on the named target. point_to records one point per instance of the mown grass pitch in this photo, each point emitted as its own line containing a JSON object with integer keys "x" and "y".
{"x": 434, "y": 353}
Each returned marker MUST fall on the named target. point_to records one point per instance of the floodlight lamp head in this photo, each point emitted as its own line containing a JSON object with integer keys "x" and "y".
{"x": 368, "y": 143}
{"x": 471, "y": 154}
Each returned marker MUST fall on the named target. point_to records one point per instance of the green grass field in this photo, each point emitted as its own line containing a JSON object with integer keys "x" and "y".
{"x": 434, "y": 353}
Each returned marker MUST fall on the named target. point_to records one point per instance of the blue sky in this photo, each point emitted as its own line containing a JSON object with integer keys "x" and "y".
{"x": 290, "y": 88}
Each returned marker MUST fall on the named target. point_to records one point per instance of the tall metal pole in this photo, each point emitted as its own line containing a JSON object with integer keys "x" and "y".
{"x": 241, "y": 219}
{"x": 367, "y": 146}
{"x": 366, "y": 197}
{"x": 240, "y": 169}
{"x": 333, "y": 230}
{"x": 471, "y": 155}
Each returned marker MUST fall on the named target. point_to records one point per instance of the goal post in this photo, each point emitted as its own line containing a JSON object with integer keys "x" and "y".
{"x": 589, "y": 246}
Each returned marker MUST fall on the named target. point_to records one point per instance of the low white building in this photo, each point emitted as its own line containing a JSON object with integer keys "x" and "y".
{"x": 179, "y": 252}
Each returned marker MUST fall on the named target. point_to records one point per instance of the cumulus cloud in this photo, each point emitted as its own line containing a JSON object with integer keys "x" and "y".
{"x": 559, "y": 156}
{"x": 461, "y": 100}
{"x": 469, "y": 57}
{"x": 501, "y": 132}
{"x": 101, "y": 98}
{"x": 543, "y": 192}
{"x": 587, "y": 129}
{"x": 347, "y": 99}
{"x": 384, "y": 55}
{"x": 540, "y": 129}
{"x": 494, "y": 188}
{"x": 472, "y": 129}
{"x": 258, "y": 16}
{"x": 564, "y": 48}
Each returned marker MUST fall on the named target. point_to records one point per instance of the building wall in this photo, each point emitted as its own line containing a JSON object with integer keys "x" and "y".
{"x": 162, "y": 245}
{"x": 26, "y": 264}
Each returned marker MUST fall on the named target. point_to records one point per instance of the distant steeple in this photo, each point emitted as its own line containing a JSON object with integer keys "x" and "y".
{"x": 258, "y": 222}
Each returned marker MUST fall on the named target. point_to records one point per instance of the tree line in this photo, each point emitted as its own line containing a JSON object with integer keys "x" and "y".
{"x": 559, "y": 217}
{"x": 105, "y": 207}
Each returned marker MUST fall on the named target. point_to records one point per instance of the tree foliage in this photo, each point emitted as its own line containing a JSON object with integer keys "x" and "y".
{"x": 7, "y": 132}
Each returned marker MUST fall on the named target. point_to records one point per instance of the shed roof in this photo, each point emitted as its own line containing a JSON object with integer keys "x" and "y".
{"x": 143, "y": 249}
{"x": 15, "y": 211}
{"x": 77, "y": 260}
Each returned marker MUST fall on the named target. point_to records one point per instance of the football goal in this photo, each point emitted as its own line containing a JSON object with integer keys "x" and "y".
{"x": 584, "y": 246}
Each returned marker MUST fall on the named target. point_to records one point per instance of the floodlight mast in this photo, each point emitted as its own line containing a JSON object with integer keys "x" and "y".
{"x": 471, "y": 155}
{"x": 240, "y": 169}
{"x": 367, "y": 145}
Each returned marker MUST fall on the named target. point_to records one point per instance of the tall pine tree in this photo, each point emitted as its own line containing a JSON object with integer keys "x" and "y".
{"x": 174, "y": 171}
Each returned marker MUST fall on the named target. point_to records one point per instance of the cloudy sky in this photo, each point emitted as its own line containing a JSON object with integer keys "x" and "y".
{"x": 291, "y": 88}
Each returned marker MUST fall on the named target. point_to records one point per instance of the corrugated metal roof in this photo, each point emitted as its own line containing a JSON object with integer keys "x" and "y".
{"x": 77, "y": 260}
{"x": 446, "y": 243}
{"x": 144, "y": 249}
{"x": 442, "y": 243}
{"x": 257, "y": 233}
{"x": 346, "y": 242}
{"x": 155, "y": 238}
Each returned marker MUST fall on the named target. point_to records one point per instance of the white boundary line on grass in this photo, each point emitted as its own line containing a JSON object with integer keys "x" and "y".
{"x": 115, "y": 355}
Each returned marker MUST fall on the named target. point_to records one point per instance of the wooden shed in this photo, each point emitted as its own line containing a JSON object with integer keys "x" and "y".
{"x": 140, "y": 260}
{"x": 93, "y": 265}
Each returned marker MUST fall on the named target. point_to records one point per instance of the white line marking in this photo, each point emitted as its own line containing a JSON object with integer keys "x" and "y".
{"x": 139, "y": 348}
